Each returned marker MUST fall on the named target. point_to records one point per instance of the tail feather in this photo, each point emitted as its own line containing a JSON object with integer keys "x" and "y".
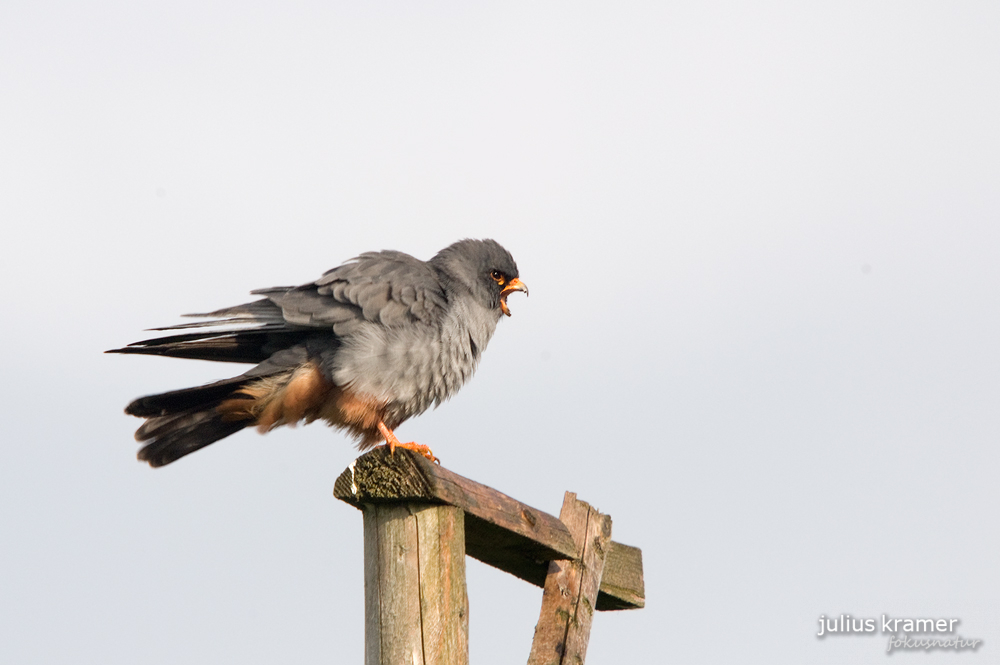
{"x": 186, "y": 399}
{"x": 180, "y": 422}
{"x": 174, "y": 436}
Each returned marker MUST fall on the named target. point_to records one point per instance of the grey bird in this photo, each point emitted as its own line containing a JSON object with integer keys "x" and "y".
{"x": 371, "y": 343}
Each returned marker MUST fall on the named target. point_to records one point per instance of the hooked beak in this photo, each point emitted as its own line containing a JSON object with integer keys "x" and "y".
{"x": 513, "y": 285}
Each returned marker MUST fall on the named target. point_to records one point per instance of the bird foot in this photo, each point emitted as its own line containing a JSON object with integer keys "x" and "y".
{"x": 393, "y": 443}
{"x": 415, "y": 447}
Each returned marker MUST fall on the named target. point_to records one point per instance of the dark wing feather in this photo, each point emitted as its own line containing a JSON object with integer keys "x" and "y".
{"x": 244, "y": 346}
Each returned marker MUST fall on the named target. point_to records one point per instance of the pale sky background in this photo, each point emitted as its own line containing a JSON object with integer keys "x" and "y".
{"x": 762, "y": 245}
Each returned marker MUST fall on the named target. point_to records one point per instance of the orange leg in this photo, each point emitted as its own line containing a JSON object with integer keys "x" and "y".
{"x": 393, "y": 443}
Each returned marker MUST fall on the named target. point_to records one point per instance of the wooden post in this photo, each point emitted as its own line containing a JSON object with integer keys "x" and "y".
{"x": 416, "y": 607}
{"x": 570, "y": 595}
{"x": 420, "y": 520}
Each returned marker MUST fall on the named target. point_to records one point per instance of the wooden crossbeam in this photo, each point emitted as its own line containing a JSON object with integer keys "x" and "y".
{"x": 499, "y": 531}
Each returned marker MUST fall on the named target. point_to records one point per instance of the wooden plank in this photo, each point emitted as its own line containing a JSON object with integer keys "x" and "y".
{"x": 373, "y": 609}
{"x": 444, "y": 602}
{"x": 595, "y": 547}
{"x": 570, "y": 596}
{"x": 622, "y": 586}
{"x": 500, "y": 531}
{"x": 392, "y": 619}
{"x": 416, "y": 608}
{"x": 378, "y": 477}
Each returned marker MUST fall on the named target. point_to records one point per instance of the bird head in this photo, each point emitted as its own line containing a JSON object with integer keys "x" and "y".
{"x": 485, "y": 268}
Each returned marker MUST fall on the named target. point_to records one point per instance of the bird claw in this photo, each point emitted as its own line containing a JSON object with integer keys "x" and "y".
{"x": 415, "y": 447}
{"x": 393, "y": 443}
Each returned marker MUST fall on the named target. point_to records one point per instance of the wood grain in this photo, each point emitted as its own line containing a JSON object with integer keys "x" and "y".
{"x": 416, "y": 607}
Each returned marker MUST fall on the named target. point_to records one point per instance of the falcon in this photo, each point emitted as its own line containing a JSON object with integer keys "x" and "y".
{"x": 371, "y": 343}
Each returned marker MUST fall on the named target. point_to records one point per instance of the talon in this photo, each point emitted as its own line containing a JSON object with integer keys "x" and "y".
{"x": 393, "y": 443}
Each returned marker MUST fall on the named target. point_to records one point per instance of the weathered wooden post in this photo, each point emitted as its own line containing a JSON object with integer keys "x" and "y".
{"x": 416, "y": 607}
{"x": 420, "y": 520}
{"x": 571, "y": 587}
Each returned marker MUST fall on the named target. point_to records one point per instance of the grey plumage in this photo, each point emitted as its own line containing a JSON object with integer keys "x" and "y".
{"x": 377, "y": 340}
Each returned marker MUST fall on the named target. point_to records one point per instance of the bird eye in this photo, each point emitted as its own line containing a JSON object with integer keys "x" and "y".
{"x": 497, "y": 277}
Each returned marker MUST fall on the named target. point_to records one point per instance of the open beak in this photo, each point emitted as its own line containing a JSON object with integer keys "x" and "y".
{"x": 513, "y": 285}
